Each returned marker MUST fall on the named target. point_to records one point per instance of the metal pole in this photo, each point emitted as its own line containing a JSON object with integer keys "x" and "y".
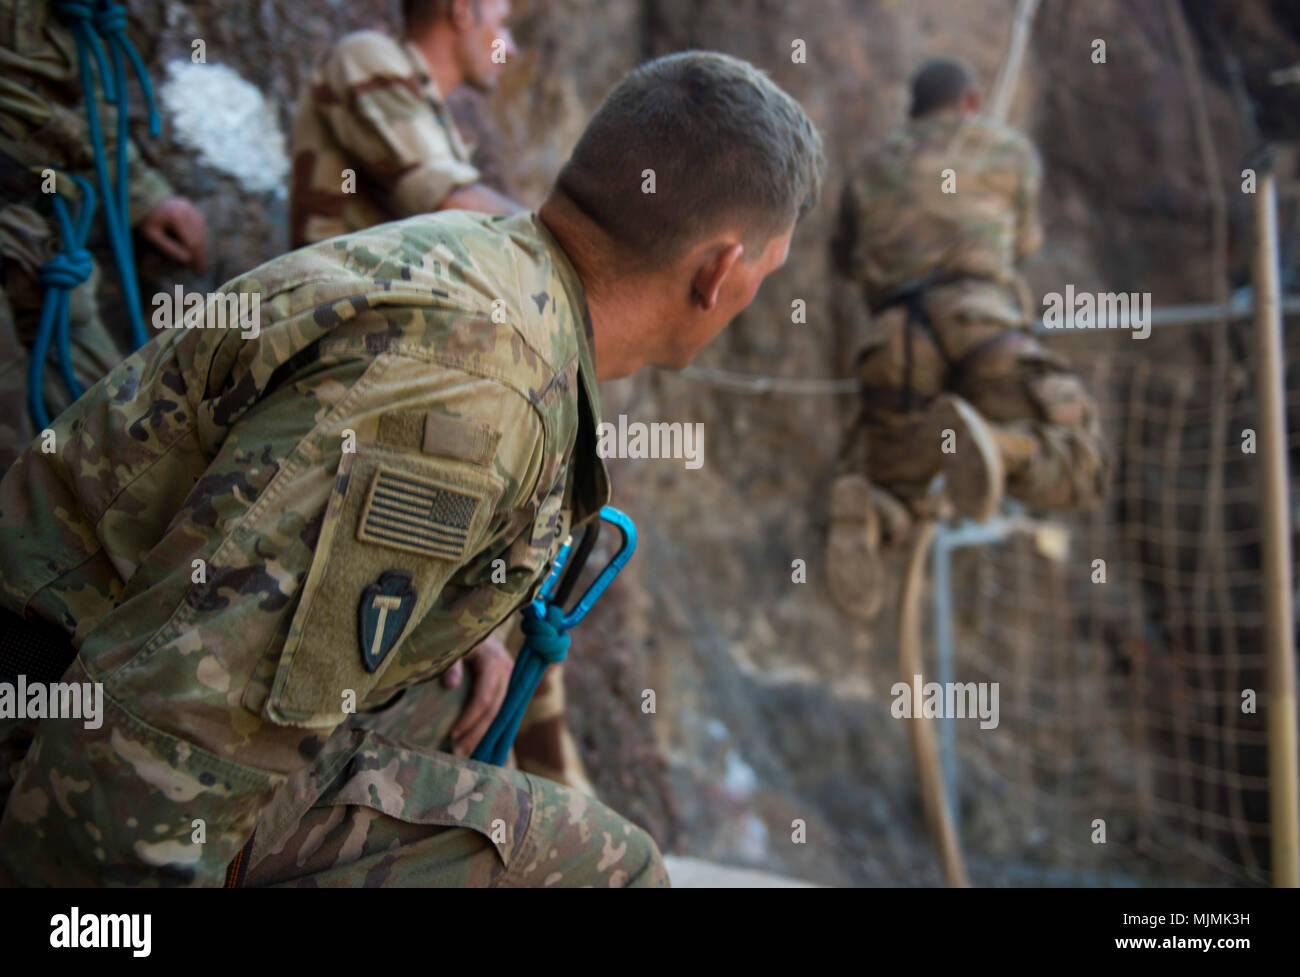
{"x": 1283, "y": 757}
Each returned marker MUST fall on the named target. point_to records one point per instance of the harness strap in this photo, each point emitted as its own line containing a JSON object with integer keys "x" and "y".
{"x": 912, "y": 294}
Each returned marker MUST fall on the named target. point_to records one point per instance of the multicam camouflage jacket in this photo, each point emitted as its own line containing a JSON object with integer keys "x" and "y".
{"x": 250, "y": 538}
{"x": 43, "y": 120}
{"x": 945, "y": 195}
{"x": 371, "y": 108}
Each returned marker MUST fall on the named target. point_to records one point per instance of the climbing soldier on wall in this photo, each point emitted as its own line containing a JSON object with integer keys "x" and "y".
{"x": 933, "y": 222}
{"x": 44, "y": 127}
{"x": 269, "y": 549}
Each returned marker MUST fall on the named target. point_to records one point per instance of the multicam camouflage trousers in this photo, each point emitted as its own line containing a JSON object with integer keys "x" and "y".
{"x": 26, "y": 241}
{"x": 396, "y": 808}
{"x": 1044, "y": 422}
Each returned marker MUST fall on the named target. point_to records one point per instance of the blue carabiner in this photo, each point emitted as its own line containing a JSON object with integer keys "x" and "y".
{"x": 614, "y": 517}
{"x": 532, "y": 661}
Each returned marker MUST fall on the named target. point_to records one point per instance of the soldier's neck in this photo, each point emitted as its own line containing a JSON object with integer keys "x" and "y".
{"x": 621, "y": 309}
{"x": 437, "y": 47}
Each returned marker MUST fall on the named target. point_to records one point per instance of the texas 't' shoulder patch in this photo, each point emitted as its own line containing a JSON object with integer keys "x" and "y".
{"x": 406, "y": 512}
{"x": 385, "y": 608}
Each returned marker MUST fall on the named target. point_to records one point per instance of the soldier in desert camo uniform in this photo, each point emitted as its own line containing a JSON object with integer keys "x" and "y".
{"x": 269, "y": 549}
{"x": 373, "y": 139}
{"x": 934, "y": 220}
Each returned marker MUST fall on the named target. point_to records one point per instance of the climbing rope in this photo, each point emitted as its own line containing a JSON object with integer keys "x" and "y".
{"x": 925, "y": 749}
{"x": 99, "y": 27}
{"x": 59, "y": 276}
{"x": 758, "y": 383}
{"x": 545, "y": 643}
{"x": 546, "y": 638}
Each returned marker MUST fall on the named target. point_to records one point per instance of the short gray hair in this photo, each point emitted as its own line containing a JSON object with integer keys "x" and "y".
{"x": 725, "y": 144}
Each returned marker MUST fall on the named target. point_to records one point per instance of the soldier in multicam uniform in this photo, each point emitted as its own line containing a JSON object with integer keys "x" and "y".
{"x": 43, "y": 125}
{"x": 373, "y": 139}
{"x": 268, "y": 549}
{"x": 933, "y": 222}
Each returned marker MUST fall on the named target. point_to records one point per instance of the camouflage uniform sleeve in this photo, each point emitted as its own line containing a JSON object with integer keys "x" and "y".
{"x": 147, "y": 187}
{"x": 1029, "y": 228}
{"x": 219, "y": 690}
{"x": 381, "y": 118}
{"x": 54, "y": 134}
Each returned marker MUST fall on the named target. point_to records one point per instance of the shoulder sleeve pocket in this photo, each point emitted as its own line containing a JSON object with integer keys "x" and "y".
{"x": 396, "y": 528}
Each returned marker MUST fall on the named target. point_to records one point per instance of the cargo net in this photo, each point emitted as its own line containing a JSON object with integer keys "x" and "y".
{"x": 1122, "y": 702}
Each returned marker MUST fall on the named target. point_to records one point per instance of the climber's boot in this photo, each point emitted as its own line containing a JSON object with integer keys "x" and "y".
{"x": 974, "y": 475}
{"x": 861, "y": 518}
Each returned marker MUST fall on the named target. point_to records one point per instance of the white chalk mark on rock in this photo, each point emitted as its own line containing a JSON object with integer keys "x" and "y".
{"x": 228, "y": 123}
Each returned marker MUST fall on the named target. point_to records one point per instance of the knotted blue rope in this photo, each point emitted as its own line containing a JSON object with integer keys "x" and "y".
{"x": 546, "y": 639}
{"x": 59, "y": 276}
{"x": 545, "y": 643}
{"x": 99, "y": 26}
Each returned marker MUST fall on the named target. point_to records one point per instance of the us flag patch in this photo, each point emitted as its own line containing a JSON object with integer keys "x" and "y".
{"x": 407, "y": 512}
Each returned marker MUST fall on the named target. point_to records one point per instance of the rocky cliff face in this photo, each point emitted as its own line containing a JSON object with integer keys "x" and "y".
{"x": 770, "y": 707}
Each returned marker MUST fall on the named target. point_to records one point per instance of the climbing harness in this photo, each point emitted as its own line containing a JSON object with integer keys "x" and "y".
{"x": 912, "y": 295}
{"x": 546, "y": 627}
{"x": 99, "y": 28}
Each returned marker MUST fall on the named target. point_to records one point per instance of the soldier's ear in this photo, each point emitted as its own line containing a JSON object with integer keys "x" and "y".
{"x": 711, "y": 271}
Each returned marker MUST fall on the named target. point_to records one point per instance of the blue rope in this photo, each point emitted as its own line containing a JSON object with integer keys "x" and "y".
{"x": 546, "y": 639}
{"x": 100, "y": 25}
{"x": 545, "y": 643}
{"x": 59, "y": 276}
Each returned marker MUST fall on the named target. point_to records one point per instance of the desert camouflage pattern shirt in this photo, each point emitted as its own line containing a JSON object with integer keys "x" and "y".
{"x": 371, "y": 108}
{"x": 948, "y": 195}
{"x": 253, "y": 538}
